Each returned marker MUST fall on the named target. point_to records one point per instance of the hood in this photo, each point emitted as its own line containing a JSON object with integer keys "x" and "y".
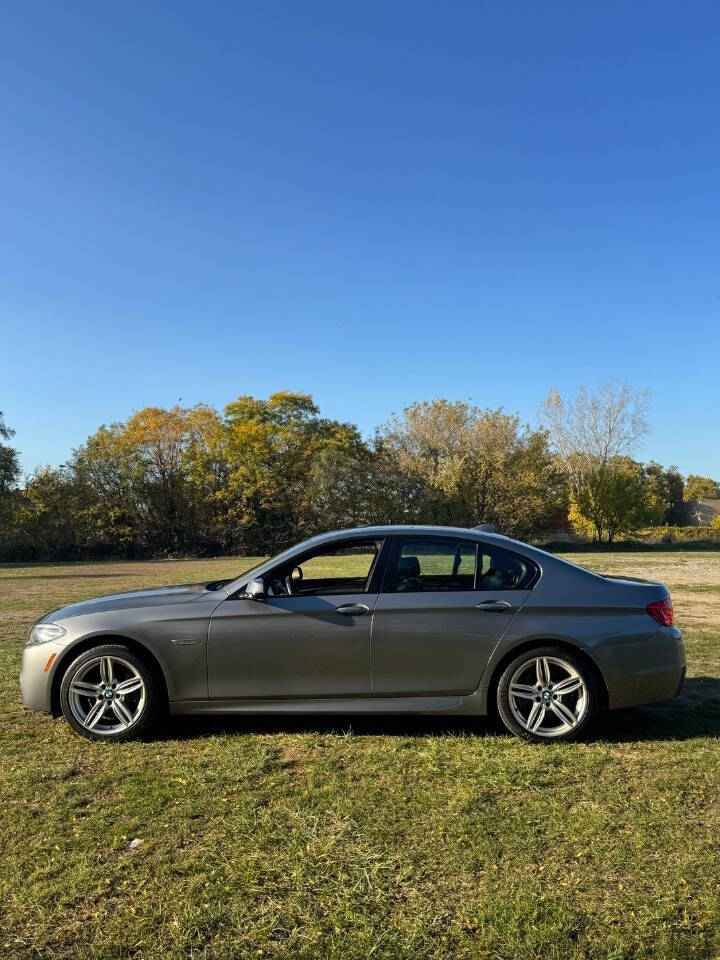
{"x": 158, "y": 596}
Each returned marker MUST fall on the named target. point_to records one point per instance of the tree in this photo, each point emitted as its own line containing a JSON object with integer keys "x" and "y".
{"x": 452, "y": 462}
{"x": 665, "y": 492}
{"x": 137, "y": 478}
{"x": 267, "y": 473}
{"x": 613, "y": 498}
{"x": 341, "y": 487}
{"x": 594, "y": 437}
{"x": 596, "y": 426}
{"x": 9, "y": 464}
{"x": 112, "y": 508}
{"x": 701, "y": 488}
{"x": 49, "y": 519}
{"x": 275, "y": 467}
{"x": 159, "y": 445}
{"x": 9, "y": 474}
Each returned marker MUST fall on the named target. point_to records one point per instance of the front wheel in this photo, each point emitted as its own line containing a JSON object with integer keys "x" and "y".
{"x": 109, "y": 693}
{"x": 547, "y": 694}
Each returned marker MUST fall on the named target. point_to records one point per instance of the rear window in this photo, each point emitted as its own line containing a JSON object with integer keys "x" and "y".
{"x": 432, "y": 564}
{"x": 498, "y": 570}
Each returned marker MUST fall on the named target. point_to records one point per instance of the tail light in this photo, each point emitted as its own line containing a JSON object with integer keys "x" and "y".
{"x": 662, "y": 611}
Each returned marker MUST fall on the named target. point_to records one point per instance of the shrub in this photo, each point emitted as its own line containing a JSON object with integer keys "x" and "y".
{"x": 674, "y": 534}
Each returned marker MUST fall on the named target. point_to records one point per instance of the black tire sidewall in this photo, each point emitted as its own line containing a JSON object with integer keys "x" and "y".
{"x": 503, "y": 699}
{"x": 151, "y": 692}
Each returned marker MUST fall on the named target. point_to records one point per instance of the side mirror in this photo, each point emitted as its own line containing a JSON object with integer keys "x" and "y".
{"x": 255, "y": 590}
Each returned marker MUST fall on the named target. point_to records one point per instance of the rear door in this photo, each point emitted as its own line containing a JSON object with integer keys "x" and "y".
{"x": 445, "y": 603}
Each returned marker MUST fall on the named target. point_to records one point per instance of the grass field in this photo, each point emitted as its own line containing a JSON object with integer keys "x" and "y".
{"x": 364, "y": 838}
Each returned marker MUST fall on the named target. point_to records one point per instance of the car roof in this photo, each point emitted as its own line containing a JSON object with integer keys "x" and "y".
{"x": 404, "y": 528}
{"x": 400, "y": 529}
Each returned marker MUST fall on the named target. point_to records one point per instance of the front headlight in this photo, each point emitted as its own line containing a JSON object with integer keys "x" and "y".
{"x": 42, "y": 632}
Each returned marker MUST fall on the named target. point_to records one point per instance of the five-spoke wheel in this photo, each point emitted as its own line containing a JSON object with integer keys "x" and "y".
{"x": 547, "y": 694}
{"x": 109, "y": 693}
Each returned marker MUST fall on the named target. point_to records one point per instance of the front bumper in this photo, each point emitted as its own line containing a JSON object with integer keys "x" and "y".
{"x": 36, "y": 675}
{"x": 643, "y": 672}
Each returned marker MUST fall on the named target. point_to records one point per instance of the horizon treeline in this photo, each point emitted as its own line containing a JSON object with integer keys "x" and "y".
{"x": 264, "y": 474}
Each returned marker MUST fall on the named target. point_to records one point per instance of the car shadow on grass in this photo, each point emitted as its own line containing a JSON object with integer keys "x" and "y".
{"x": 695, "y": 713}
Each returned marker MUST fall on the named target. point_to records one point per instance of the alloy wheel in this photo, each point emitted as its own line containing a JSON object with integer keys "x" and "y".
{"x": 107, "y": 695}
{"x": 548, "y": 697}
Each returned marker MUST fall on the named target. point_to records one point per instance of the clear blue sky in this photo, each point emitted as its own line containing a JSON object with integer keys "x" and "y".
{"x": 373, "y": 202}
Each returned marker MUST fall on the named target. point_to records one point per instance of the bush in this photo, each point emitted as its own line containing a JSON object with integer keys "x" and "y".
{"x": 675, "y": 534}
{"x": 715, "y": 525}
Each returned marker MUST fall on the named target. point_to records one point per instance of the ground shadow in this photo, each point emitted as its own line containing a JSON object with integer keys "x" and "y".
{"x": 695, "y": 713}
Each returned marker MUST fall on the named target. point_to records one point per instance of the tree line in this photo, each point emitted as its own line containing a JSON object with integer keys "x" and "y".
{"x": 266, "y": 473}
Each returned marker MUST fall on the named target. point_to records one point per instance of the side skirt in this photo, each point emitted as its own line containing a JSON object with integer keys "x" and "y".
{"x": 466, "y": 706}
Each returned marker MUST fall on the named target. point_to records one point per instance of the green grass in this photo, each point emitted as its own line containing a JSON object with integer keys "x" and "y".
{"x": 384, "y": 838}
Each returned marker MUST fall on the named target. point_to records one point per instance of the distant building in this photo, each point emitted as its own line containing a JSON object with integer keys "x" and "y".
{"x": 699, "y": 513}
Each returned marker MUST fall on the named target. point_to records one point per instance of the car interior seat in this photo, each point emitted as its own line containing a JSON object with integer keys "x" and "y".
{"x": 408, "y": 573}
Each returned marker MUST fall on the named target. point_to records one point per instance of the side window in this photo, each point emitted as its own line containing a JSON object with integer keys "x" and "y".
{"x": 344, "y": 569}
{"x": 431, "y": 564}
{"x": 501, "y": 571}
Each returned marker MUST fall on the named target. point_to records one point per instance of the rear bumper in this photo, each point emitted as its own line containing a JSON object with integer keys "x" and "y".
{"x": 643, "y": 672}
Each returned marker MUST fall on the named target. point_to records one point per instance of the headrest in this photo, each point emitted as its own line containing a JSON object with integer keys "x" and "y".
{"x": 506, "y": 570}
{"x": 408, "y": 567}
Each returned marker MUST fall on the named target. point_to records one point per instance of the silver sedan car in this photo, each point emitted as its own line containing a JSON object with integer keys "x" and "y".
{"x": 388, "y": 620}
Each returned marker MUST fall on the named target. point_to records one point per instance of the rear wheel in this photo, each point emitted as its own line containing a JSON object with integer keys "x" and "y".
{"x": 547, "y": 694}
{"x": 109, "y": 693}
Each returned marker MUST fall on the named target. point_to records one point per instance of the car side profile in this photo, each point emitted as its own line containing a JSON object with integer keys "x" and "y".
{"x": 387, "y": 620}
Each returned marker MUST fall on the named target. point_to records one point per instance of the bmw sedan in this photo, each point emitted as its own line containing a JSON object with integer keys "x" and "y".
{"x": 388, "y": 620}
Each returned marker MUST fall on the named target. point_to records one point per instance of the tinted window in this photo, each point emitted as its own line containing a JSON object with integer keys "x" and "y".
{"x": 428, "y": 563}
{"x": 498, "y": 570}
{"x": 344, "y": 569}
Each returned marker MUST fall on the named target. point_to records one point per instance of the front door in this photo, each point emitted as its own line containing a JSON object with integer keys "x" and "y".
{"x": 445, "y": 604}
{"x": 309, "y": 637}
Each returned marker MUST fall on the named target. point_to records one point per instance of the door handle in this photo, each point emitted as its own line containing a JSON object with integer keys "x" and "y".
{"x": 493, "y": 606}
{"x": 352, "y": 609}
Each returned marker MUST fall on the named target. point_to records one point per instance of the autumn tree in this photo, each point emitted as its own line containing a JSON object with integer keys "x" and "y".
{"x": 136, "y": 477}
{"x": 267, "y": 473}
{"x": 342, "y": 487}
{"x": 701, "y": 488}
{"x": 453, "y": 462}
{"x": 613, "y": 498}
{"x": 277, "y": 471}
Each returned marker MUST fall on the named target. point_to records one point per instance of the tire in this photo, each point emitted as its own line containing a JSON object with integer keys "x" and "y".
{"x": 547, "y": 694}
{"x": 97, "y": 714}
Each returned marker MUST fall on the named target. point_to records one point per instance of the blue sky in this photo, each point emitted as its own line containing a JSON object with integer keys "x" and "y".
{"x": 372, "y": 202}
